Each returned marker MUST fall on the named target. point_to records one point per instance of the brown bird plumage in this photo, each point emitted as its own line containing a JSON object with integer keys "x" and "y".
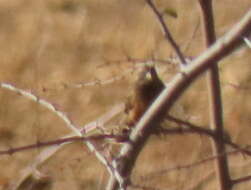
{"x": 147, "y": 87}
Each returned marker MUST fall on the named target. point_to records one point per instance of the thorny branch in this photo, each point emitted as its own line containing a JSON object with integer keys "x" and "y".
{"x": 168, "y": 61}
{"x": 69, "y": 124}
{"x": 156, "y": 113}
{"x": 190, "y": 74}
{"x": 117, "y": 138}
{"x": 43, "y": 103}
{"x": 188, "y": 128}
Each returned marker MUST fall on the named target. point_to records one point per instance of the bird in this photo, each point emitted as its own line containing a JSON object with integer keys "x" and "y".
{"x": 147, "y": 87}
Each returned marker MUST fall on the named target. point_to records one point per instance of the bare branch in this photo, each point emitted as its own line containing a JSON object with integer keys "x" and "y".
{"x": 241, "y": 180}
{"x": 68, "y": 122}
{"x": 169, "y": 61}
{"x": 157, "y": 111}
{"x": 208, "y": 133}
{"x": 117, "y": 138}
{"x": 167, "y": 33}
{"x": 48, "y": 152}
{"x": 187, "y": 166}
{"x": 43, "y": 103}
{"x": 188, "y": 44}
{"x": 215, "y": 103}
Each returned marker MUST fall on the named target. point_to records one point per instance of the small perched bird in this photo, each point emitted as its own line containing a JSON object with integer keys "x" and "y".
{"x": 147, "y": 87}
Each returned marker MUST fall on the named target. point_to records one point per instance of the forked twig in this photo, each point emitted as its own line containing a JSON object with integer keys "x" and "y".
{"x": 167, "y": 33}
{"x": 51, "y": 150}
{"x": 48, "y": 152}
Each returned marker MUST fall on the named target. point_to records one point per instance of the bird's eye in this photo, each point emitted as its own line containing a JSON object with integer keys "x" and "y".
{"x": 148, "y": 76}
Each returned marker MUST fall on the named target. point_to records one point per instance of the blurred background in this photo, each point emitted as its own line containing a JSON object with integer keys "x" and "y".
{"x": 47, "y": 46}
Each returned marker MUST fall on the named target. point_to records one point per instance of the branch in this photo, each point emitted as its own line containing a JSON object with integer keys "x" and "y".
{"x": 45, "y": 155}
{"x": 166, "y": 32}
{"x": 186, "y": 166}
{"x": 48, "y": 152}
{"x": 117, "y": 138}
{"x": 192, "y": 38}
{"x": 157, "y": 111}
{"x": 241, "y": 179}
{"x": 43, "y": 103}
{"x": 208, "y": 133}
{"x": 215, "y": 103}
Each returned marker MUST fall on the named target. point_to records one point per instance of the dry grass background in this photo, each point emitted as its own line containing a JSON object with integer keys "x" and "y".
{"x": 46, "y": 44}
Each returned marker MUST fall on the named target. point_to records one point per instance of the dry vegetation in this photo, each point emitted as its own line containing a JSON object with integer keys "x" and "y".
{"x": 47, "y": 45}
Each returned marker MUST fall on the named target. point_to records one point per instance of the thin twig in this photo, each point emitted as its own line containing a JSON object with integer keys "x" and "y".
{"x": 206, "y": 132}
{"x": 188, "y": 44}
{"x": 169, "y": 60}
{"x": 186, "y": 166}
{"x": 43, "y": 103}
{"x": 69, "y": 124}
{"x": 241, "y": 179}
{"x": 48, "y": 152}
{"x": 57, "y": 142}
{"x": 167, "y": 33}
